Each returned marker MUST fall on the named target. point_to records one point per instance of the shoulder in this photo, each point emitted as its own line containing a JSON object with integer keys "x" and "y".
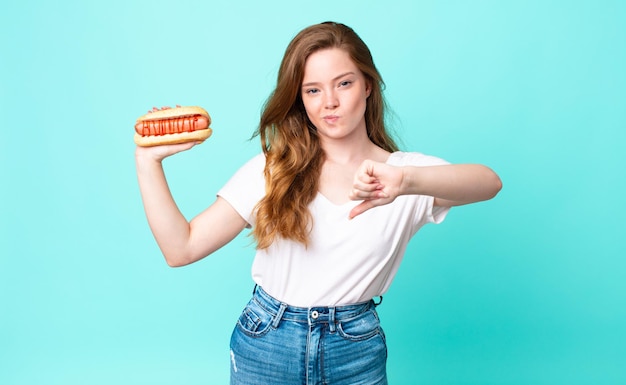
{"x": 401, "y": 158}
{"x": 249, "y": 173}
{"x": 254, "y": 165}
{"x": 256, "y": 161}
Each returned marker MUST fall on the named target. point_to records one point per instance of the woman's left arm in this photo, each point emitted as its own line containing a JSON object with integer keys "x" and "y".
{"x": 451, "y": 185}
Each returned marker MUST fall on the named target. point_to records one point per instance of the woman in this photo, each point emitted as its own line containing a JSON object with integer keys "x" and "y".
{"x": 332, "y": 204}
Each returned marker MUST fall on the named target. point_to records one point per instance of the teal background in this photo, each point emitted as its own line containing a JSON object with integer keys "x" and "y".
{"x": 528, "y": 288}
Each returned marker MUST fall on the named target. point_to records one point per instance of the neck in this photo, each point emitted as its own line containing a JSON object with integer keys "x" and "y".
{"x": 352, "y": 151}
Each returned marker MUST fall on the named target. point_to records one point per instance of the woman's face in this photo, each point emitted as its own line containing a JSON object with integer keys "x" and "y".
{"x": 334, "y": 93}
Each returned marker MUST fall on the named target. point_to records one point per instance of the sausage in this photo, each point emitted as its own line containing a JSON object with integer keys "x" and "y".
{"x": 172, "y": 125}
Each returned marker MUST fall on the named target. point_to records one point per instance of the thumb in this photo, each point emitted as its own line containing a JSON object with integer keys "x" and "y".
{"x": 360, "y": 209}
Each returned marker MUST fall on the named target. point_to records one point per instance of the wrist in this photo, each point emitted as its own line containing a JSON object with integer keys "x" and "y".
{"x": 410, "y": 180}
{"x": 145, "y": 156}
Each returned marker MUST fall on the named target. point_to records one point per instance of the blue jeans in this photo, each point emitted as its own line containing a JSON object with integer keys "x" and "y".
{"x": 274, "y": 343}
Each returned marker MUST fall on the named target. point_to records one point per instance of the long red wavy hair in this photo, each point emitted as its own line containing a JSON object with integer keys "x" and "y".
{"x": 294, "y": 156}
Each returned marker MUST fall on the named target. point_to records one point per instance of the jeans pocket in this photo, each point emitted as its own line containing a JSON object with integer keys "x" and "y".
{"x": 362, "y": 327}
{"x": 254, "y": 320}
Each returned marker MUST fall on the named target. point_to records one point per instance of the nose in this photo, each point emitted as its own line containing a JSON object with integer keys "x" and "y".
{"x": 331, "y": 100}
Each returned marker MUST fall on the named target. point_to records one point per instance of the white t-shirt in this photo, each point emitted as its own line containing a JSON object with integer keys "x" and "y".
{"x": 347, "y": 261}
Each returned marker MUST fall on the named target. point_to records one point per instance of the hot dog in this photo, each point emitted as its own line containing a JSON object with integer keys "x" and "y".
{"x": 173, "y": 125}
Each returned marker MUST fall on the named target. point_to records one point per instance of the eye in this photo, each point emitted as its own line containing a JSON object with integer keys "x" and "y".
{"x": 345, "y": 83}
{"x": 311, "y": 91}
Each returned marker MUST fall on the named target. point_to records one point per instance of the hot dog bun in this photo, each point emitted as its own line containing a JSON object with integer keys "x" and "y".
{"x": 172, "y": 126}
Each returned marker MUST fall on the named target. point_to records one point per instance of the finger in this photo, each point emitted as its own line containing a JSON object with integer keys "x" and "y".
{"x": 359, "y": 188}
{"x": 366, "y": 183}
{"x": 366, "y": 178}
{"x": 365, "y": 174}
{"x": 357, "y": 194}
{"x": 155, "y": 109}
{"x": 173, "y": 149}
{"x": 360, "y": 209}
{"x": 184, "y": 146}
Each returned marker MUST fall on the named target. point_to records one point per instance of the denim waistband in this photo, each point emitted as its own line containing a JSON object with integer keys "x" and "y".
{"x": 316, "y": 314}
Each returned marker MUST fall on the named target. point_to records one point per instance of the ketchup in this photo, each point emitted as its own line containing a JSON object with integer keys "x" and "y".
{"x": 169, "y": 126}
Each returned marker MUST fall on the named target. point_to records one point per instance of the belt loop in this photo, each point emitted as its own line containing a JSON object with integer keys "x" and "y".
{"x": 254, "y": 288}
{"x": 331, "y": 319}
{"x": 379, "y": 302}
{"x": 279, "y": 315}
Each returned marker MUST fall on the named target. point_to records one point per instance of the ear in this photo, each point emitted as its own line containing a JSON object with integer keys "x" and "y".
{"x": 368, "y": 89}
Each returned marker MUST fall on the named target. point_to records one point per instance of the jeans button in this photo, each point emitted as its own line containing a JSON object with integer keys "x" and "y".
{"x": 315, "y": 314}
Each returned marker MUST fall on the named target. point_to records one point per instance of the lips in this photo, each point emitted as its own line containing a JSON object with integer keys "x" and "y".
{"x": 331, "y": 118}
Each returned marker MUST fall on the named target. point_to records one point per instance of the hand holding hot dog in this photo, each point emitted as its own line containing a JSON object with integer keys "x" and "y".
{"x": 158, "y": 153}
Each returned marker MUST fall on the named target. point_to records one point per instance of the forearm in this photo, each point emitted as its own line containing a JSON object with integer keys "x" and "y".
{"x": 169, "y": 227}
{"x": 458, "y": 183}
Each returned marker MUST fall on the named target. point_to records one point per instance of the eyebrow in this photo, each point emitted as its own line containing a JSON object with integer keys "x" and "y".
{"x": 334, "y": 79}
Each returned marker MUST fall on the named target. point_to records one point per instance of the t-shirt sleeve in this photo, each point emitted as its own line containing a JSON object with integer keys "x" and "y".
{"x": 427, "y": 212}
{"x": 436, "y": 214}
{"x": 246, "y": 188}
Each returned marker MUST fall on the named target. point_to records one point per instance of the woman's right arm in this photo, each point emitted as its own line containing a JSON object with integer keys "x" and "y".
{"x": 180, "y": 241}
